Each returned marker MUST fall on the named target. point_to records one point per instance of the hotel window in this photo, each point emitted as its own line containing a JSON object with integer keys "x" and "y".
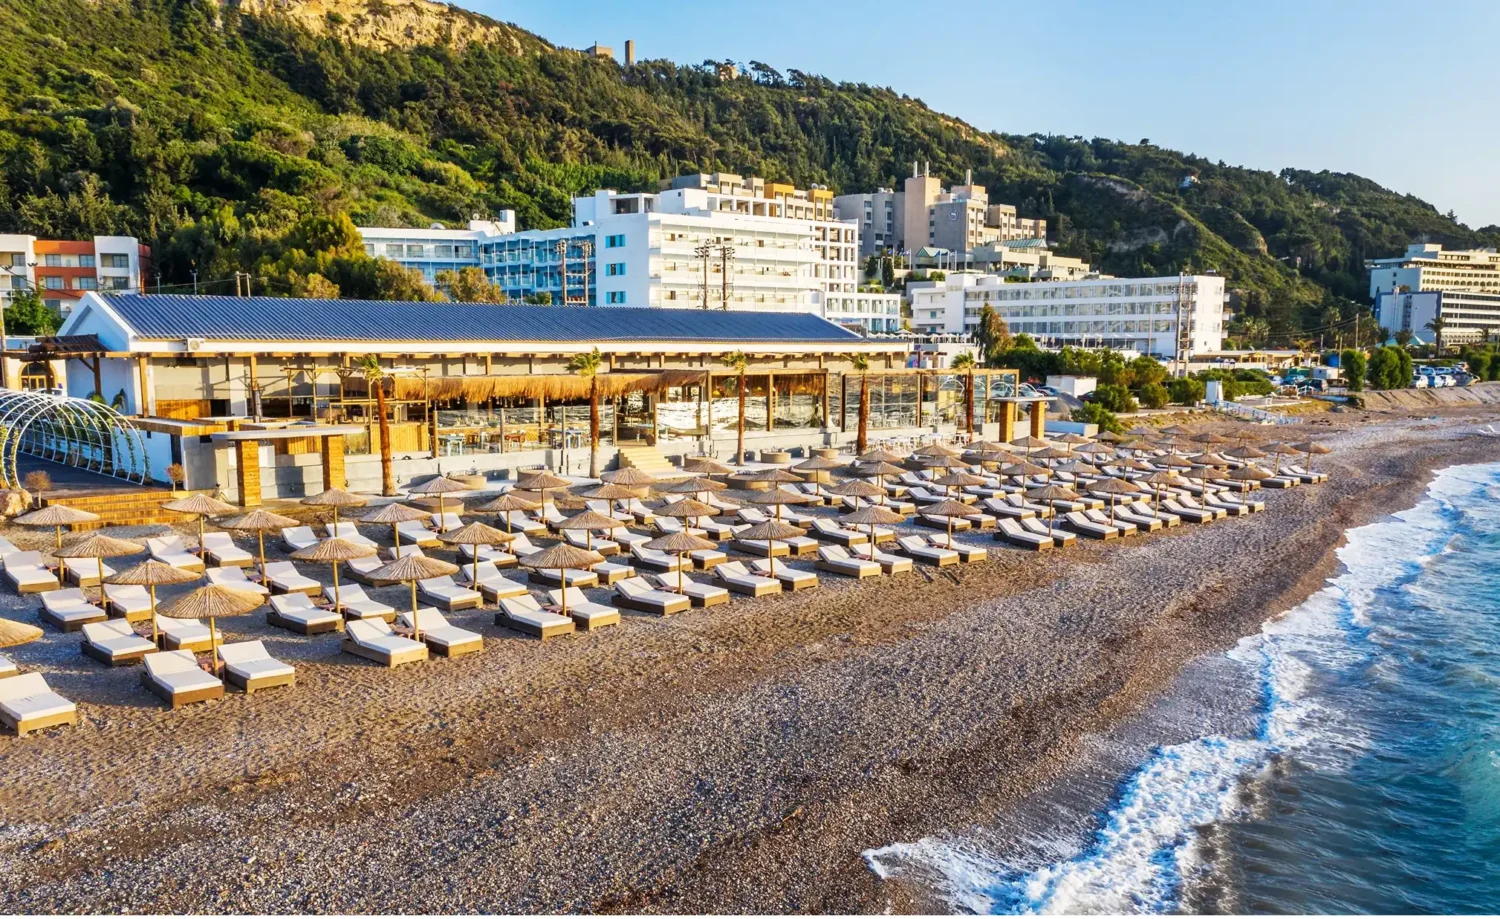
{"x": 414, "y": 251}
{"x": 615, "y": 241}
{"x": 86, "y": 284}
{"x": 54, "y": 261}
{"x": 52, "y": 282}
{"x": 116, "y": 283}
{"x": 617, "y": 297}
{"x": 394, "y": 250}
{"x": 615, "y": 269}
{"x": 114, "y": 260}
{"x": 85, "y": 261}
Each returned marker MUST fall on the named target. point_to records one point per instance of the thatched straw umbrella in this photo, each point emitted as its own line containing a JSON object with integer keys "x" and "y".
{"x": 1029, "y": 443}
{"x": 1209, "y": 437}
{"x": 440, "y": 486}
{"x": 505, "y": 504}
{"x": 944, "y": 461}
{"x": 1109, "y": 437}
{"x": 202, "y": 507}
{"x": 1276, "y": 449}
{"x": 630, "y": 477}
{"x": 1025, "y": 470}
{"x": 1311, "y": 449}
{"x": 857, "y": 488}
{"x": 1207, "y": 463}
{"x": 877, "y": 470}
{"x": 705, "y": 465}
{"x": 873, "y": 515}
{"x": 334, "y": 550}
{"x": 258, "y": 522}
{"x": 560, "y": 558}
{"x": 935, "y": 449}
{"x": 1051, "y": 453}
{"x": 958, "y": 479}
{"x": 773, "y": 475}
{"x": 680, "y": 544}
{"x": 540, "y": 481}
{"x": 687, "y": 510}
{"x": 1246, "y": 452}
{"x": 610, "y": 491}
{"x": 14, "y": 633}
{"x": 949, "y": 509}
{"x": 879, "y": 456}
{"x": 770, "y": 531}
{"x": 1247, "y": 474}
{"x": 394, "y": 514}
{"x": 149, "y": 574}
{"x": 1174, "y": 462}
{"x": 590, "y": 522}
{"x": 1094, "y": 449}
{"x": 1051, "y": 493}
{"x": 1114, "y": 487}
{"x": 211, "y": 602}
{"x": 56, "y": 516}
{"x": 1176, "y": 430}
{"x": 1072, "y": 440}
{"x": 476, "y": 534}
{"x": 409, "y": 569}
{"x": 1160, "y": 480}
{"x": 99, "y": 547}
{"x": 336, "y": 498}
{"x": 696, "y": 486}
{"x": 776, "y": 497}
{"x": 817, "y": 468}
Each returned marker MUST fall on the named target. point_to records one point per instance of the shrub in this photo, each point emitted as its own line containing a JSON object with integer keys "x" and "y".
{"x": 1352, "y": 365}
{"x": 1114, "y": 398}
{"x": 1094, "y": 413}
{"x": 1186, "y": 391}
{"x": 1153, "y": 395}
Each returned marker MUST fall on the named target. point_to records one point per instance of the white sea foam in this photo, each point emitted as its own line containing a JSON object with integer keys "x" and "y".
{"x": 1145, "y": 849}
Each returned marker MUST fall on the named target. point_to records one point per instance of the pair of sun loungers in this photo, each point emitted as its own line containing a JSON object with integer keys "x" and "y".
{"x": 177, "y": 678}
{"x": 28, "y": 704}
{"x": 524, "y": 614}
{"x": 27, "y": 574}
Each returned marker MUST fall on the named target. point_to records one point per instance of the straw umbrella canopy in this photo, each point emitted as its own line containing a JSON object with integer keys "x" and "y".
{"x": 334, "y": 550}
{"x": 769, "y": 531}
{"x": 1022, "y": 470}
{"x": 200, "y": 506}
{"x": 611, "y": 491}
{"x": 1078, "y": 467}
{"x": 590, "y": 522}
{"x": 476, "y": 534}
{"x": 335, "y": 498}
{"x": 705, "y": 465}
{"x": 687, "y": 509}
{"x": 958, "y": 479}
{"x": 1109, "y": 437}
{"x": 857, "y": 488}
{"x": 818, "y": 464}
{"x": 1094, "y": 448}
{"x": 773, "y": 475}
{"x": 1135, "y": 465}
{"x": 1311, "y": 449}
{"x": 560, "y": 558}
{"x": 777, "y": 497}
{"x": 630, "y": 477}
{"x": 1142, "y": 430}
{"x": 949, "y": 509}
{"x": 99, "y": 547}
{"x": 394, "y": 514}
{"x": 409, "y": 569}
{"x": 935, "y": 449}
{"x": 1247, "y": 474}
{"x": 697, "y": 485}
{"x": 505, "y": 504}
{"x": 56, "y": 516}
{"x": 877, "y": 470}
{"x": 440, "y": 486}
{"x": 211, "y": 602}
{"x": 149, "y": 574}
{"x": 1072, "y": 440}
{"x": 1051, "y": 493}
{"x": 680, "y": 544}
{"x": 879, "y": 456}
{"x": 1114, "y": 487}
{"x": 1207, "y": 463}
{"x": 1246, "y": 452}
{"x": 1176, "y": 430}
{"x": 1051, "y": 453}
{"x": 258, "y": 522}
{"x": 1209, "y": 437}
{"x": 14, "y": 633}
{"x": 541, "y": 481}
{"x": 1160, "y": 480}
{"x": 1276, "y": 449}
{"x": 873, "y": 515}
{"x": 1028, "y": 442}
{"x": 1175, "y": 462}
{"x": 981, "y": 446}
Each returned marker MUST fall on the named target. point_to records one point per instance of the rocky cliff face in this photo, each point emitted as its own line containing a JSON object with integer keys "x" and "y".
{"x": 388, "y": 24}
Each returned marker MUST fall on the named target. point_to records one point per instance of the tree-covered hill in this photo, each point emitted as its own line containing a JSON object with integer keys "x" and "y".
{"x": 215, "y": 132}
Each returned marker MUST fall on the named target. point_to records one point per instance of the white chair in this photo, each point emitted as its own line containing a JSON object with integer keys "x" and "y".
{"x": 68, "y": 609}
{"x": 414, "y": 533}
{"x": 737, "y": 578}
{"x": 354, "y": 603}
{"x": 221, "y": 550}
{"x": 491, "y": 584}
{"x": 890, "y": 564}
{"x": 441, "y": 636}
{"x": 115, "y": 643}
{"x": 446, "y": 522}
{"x": 525, "y": 615}
{"x": 635, "y": 593}
{"x": 186, "y": 634}
{"x": 701, "y": 595}
{"x": 297, "y": 613}
{"x": 177, "y": 679}
{"x": 918, "y": 549}
{"x": 285, "y": 578}
{"x": 27, "y": 574}
{"x": 790, "y": 578}
{"x": 966, "y": 552}
{"x": 248, "y": 665}
{"x": 373, "y": 639}
{"x": 235, "y": 577}
{"x": 587, "y": 614}
{"x": 446, "y": 593}
{"x": 347, "y": 531}
{"x": 838, "y": 560}
{"x": 28, "y": 704}
{"x": 294, "y": 538}
{"x": 170, "y": 550}
{"x": 130, "y": 601}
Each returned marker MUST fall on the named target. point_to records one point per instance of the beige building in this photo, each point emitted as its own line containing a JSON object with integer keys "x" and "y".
{"x": 924, "y": 215}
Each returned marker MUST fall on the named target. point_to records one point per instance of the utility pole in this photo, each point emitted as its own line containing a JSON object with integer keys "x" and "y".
{"x": 704, "y": 252}
{"x": 726, "y": 255}
{"x": 195, "y": 282}
{"x": 158, "y": 280}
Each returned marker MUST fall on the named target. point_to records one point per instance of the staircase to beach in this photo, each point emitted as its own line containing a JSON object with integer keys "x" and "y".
{"x": 120, "y": 508}
{"x": 649, "y": 460}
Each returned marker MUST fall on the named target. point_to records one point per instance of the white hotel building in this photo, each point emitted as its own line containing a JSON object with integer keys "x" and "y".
{"x": 1463, "y": 287}
{"x": 786, "y": 252}
{"x": 1139, "y": 314}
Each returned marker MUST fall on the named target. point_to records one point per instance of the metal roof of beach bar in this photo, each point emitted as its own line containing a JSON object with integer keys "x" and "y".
{"x": 216, "y": 318}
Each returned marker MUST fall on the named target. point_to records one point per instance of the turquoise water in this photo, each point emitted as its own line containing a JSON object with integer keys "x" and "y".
{"x": 1370, "y": 785}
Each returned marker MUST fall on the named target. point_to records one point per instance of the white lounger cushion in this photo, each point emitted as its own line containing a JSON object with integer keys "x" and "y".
{"x": 184, "y": 630}
{"x": 444, "y": 588}
{"x": 235, "y": 577}
{"x": 179, "y": 671}
{"x": 286, "y": 576}
{"x": 437, "y": 629}
{"x": 28, "y": 697}
{"x": 347, "y": 531}
{"x": 69, "y": 603}
{"x": 8, "y": 667}
{"x": 526, "y": 609}
{"x": 299, "y": 608}
{"x": 251, "y": 661}
{"x": 116, "y": 636}
{"x": 129, "y": 598}
{"x": 299, "y": 537}
{"x": 223, "y": 548}
{"x": 377, "y": 635}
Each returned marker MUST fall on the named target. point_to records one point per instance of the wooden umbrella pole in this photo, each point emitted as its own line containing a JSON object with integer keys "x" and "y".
{"x": 681, "y": 557}
{"x": 771, "y": 555}
{"x": 396, "y": 534}
{"x": 562, "y": 578}
{"x": 62, "y": 563}
{"x": 155, "y": 635}
{"x": 474, "y": 578}
{"x": 213, "y": 645}
{"x": 260, "y": 535}
{"x": 416, "y": 627}
{"x": 337, "y": 604}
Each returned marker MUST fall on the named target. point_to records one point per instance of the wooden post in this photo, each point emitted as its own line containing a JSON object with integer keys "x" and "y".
{"x": 1007, "y": 421}
{"x": 1039, "y": 419}
{"x": 333, "y": 462}
{"x": 248, "y": 474}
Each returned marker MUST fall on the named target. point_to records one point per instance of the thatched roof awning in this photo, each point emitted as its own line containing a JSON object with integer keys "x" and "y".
{"x": 550, "y": 386}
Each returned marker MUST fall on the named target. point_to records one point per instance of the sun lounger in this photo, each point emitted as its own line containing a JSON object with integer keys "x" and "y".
{"x": 412, "y": 532}
{"x": 170, "y": 550}
{"x": 235, "y": 577}
{"x": 551, "y": 516}
{"x": 712, "y": 529}
{"x": 654, "y": 559}
{"x": 1083, "y": 526}
{"x": 115, "y": 643}
{"x": 1000, "y": 508}
{"x": 363, "y": 569}
{"x": 1194, "y": 514}
{"x": 249, "y": 666}
{"x": 1142, "y": 523}
{"x": 967, "y": 554}
{"x": 701, "y": 595}
{"x": 28, "y": 704}
{"x": 843, "y": 536}
{"x": 373, "y": 639}
{"x": 446, "y": 593}
{"x": 521, "y": 522}
{"x": 176, "y": 677}
{"x": 583, "y": 540}
{"x": 294, "y": 538}
{"x": 734, "y": 576}
{"x": 441, "y": 636}
{"x": 285, "y": 578}
{"x": 1217, "y": 502}
{"x": 959, "y": 524}
{"x": 792, "y": 579}
{"x": 7, "y": 547}
{"x": 1189, "y": 501}
{"x": 585, "y": 613}
{"x": 220, "y": 549}
{"x": 1012, "y": 532}
{"x": 347, "y": 531}
{"x": 492, "y": 554}
{"x": 890, "y": 564}
{"x": 607, "y": 508}
{"x": 69, "y": 610}
{"x": 406, "y": 548}
{"x": 491, "y": 584}
{"x": 613, "y": 572}
{"x": 445, "y": 522}
{"x": 525, "y": 615}
{"x": 354, "y": 603}
{"x": 8, "y": 667}
{"x": 1052, "y": 531}
{"x": 1125, "y": 527}
{"x": 27, "y": 574}
{"x": 131, "y": 602}
{"x": 836, "y": 559}
{"x": 572, "y": 577}
{"x": 297, "y": 613}
{"x": 643, "y": 514}
{"x": 1144, "y": 509}
{"x": 89, "y": 572}
{"x": 918, "y": 549}
{"x": 673, "y": 525}
{"x": 186, "y": 634}
{"x": 635, "y": 593}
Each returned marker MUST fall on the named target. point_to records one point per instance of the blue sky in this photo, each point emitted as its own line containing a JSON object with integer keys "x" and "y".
{"x": 1403, "y": 94}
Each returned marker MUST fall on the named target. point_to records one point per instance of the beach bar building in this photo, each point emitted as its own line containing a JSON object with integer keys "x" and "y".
{"x": 269, "y": 398}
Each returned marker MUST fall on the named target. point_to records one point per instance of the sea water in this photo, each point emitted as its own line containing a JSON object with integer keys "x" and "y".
{"x": 1371, "y": 782}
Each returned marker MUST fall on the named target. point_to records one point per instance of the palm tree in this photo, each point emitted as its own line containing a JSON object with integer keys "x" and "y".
{"x": 587, "y": 365}
{"x": 862, "y": 367}
{"x": 1404, "y": 337}
{"x": 1436, "y": 327}
{"x": 375, "y": 377}
{"x": 964, "y": 363}
{"x": 738, "y": 362}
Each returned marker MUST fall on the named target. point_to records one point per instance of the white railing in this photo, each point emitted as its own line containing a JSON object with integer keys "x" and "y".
{"x": 1250, "y": 413}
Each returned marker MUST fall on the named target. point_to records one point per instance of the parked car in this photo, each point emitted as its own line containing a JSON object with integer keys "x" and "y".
{"x": 1418, "y": 381}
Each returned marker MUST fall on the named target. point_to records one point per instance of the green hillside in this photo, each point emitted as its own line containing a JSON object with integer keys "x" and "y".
{"x": 215, "y": 134}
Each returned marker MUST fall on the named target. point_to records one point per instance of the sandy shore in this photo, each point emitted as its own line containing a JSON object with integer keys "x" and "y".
{"x": 730, "y": 760}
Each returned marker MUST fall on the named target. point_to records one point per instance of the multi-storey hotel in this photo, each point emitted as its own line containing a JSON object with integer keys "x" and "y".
{"x": 62, "y": 271}
{"x": 923, "y": 215}
{"x": 709, "y": 241}
{"x": 1462, "y": 287}
{"x": 1168, "y": 317}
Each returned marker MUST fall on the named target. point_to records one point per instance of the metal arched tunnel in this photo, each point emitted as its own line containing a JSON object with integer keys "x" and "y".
{"x": 74, "y": 432}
